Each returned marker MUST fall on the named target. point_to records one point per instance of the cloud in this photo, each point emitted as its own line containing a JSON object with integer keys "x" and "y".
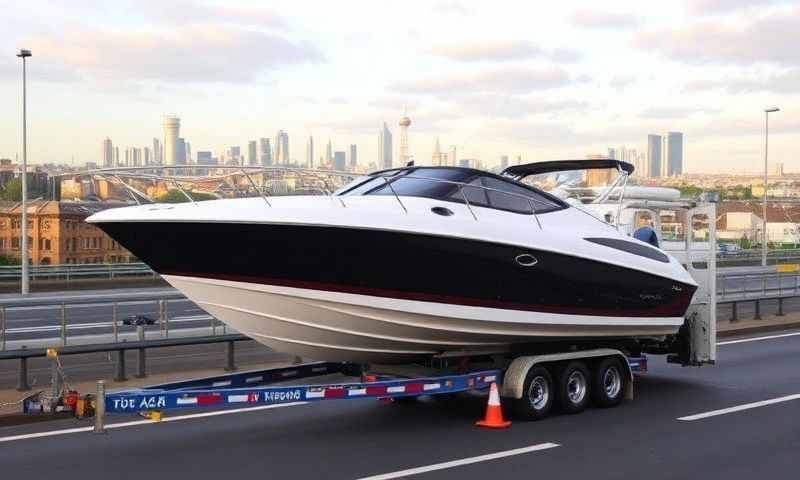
{"x": 183, "y": 12}
{"x": 603, "y": 19}
{"x": 504, "y": 80}
{"x": 772, "y": 38}
{"x": 725, "y": 6}
{"x": 786, "y": 82}
{"x": 621, "y": 81}
{"x": 512, "y": 106}
{"x": 180, "y": 54}
{"x": 673, "y": 112}
{"x": 499, "y": 51}
{"x": 43, "y": 72}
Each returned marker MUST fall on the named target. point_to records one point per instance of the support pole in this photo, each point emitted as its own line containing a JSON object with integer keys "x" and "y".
{"x": 2, "y": 328}
{"x": 230, "y": 350}
{"x": 780, "y": 306}
{"x": 63, "y": 325}
{"x": 55, "y": 378}
{"x": 100, "y": 407}
{"x": 733, "y": 312}
{"x": 757, "y": 316}
{"x": 114, "y": 322}
{"x": 119, "y": 375}
{"x": 141, "y": 367}
{"x": 22, "y": 380}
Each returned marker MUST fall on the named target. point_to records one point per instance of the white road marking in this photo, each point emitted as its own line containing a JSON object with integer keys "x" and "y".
{"x": 463, "y": 461}
{"x": 147, "y": 422}
{"x": 739, "y": 408}
{"x": 758, "y": 339}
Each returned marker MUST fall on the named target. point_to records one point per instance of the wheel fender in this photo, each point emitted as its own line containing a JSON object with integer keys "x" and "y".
{"x": 514, "y": 378}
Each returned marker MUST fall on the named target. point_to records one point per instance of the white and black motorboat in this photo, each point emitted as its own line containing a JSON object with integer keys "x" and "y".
{"x": 411, "y": 263}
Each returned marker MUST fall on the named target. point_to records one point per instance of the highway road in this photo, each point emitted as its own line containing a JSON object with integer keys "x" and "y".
{"x": 737, "y": 420}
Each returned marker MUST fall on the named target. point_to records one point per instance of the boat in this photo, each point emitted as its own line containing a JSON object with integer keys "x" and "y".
{"x": 412, "y": 263}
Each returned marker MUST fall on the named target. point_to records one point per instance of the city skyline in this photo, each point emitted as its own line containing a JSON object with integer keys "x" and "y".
{"x": 494, "y": 87}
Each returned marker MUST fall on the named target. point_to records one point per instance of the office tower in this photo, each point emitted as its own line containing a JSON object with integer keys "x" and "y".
{"x": 205, "y": 158}
{"x": 353, "y": 157}
{"x": 116, "y": 156}
{"x": 281, "y": 147}
{"x": 158, "y": 152}
{"x": 654, "y": 155}
{"x": 436, "y": 158}
{"x": 310, "y": 152}
{"x": 503, "y": 162}
{"x": 612, "y": 153}
{"x": 266, "y": 152}
{"x": 252, "y": 153}
{"x": 172, "y": 127}
{"x": 108, "y": 153}
{"x": 133, "y": 157}
{"x": 147, "y": 158}
{"x": 519, "y": 159}
{"x": 329, "y": 153}
{"x": 673, "y": 154}
{"x": 452, "y": 161}
{"x": 404, "y": 123}
{"x": 187, "y": 152}
{"x": 180, "y": 151}
{"x": 385, "y": 148}
{"x": 778, "y": 169}
{"x": 339, "y": 161}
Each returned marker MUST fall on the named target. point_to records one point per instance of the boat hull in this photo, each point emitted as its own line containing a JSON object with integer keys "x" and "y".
{"x": 359, "y": 328}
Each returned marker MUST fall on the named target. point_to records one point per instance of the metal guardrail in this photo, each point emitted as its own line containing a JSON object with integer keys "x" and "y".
{"x": 70, "y": 272}
{"x": 111, "y": 329}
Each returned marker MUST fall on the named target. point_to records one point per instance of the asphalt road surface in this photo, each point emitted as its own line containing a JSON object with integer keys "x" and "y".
{"x": 681, "y": 425}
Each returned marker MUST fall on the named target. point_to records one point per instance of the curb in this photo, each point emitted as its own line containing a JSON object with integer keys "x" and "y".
{"x": 757, "y": 329}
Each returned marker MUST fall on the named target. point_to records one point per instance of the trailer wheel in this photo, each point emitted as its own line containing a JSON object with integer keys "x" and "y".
{"x": 537, "y": 395}
{"x": 608, "y": 383}
{"x": 573, "y": 387}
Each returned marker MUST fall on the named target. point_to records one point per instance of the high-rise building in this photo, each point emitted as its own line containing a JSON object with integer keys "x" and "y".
{"x": 654, "y": 155}
{"x": 353, "y": 156}
{"x": 310, "y": 152}
{"x": 519, "y": 159}
{"x": 329, "y": 153}
{"x": 172, "y": 156}
{"x": 133, "y": 157}
{"x": 233, "y": 155}
{"x": 158, "y": 152}
{"x": 672, "y": 154}
{"x": 147, "y": 157}
{"x": 385, "y": 148}
{"x": 266, "y": 152}
{"x": 180, "y": 151}
{"x": 116, "y": 157}
{"x": 108, "y": 153}
{"x": 252, "y": 153}
{"x": 205, "y": 158}
{"x": 503, "y": 162}
{"x": 453, "y": 160}
{"x": 778, "y": 169}
{"x": 436, "y": 158}
{"x": 339, "y": 161}
{"x": 281, "y": 147}
{"x": 187, "y": 152}
{"x": 404, "y": 123}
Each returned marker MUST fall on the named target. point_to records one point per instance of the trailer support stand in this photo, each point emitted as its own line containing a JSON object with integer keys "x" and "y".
{"x": 100, "y": 407}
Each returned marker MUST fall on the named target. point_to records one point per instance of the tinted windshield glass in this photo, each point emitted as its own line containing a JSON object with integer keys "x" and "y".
{"x": 483, "y": 190}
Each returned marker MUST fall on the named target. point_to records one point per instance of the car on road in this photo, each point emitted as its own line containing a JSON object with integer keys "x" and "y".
{"x": 138, "y": 320}
{"x": 729, "y": 250}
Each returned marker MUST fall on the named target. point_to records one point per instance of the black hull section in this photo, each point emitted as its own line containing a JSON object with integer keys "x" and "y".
{"x": 401, "y": 265}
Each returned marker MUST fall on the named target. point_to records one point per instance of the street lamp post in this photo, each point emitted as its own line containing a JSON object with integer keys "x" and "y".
{"x": 764, "y": 210}
{"x": 24, "y": 54}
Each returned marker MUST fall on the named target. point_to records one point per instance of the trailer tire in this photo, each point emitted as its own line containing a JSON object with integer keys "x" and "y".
{"x": 573, "y": 387}
{"x": 537, "y": 395}
{"x": 608, "y": 383}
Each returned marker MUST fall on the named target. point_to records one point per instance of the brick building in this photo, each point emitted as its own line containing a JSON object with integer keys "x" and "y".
{"x": 58, "y": 233}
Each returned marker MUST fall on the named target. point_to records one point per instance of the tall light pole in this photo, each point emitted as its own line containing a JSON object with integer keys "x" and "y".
{"x": 764, "y": 210}
{"x": 24, "y": 54}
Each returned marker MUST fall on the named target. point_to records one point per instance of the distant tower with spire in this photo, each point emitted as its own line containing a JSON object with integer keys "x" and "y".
{"x": 436, "y": 161}
{"x": 405, "y": 122}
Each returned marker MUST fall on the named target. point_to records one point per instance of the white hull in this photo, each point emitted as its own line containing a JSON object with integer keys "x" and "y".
{"x": 334, "y": 326}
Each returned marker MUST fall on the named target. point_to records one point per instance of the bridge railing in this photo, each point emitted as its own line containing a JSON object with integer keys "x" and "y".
{"x": 77, "y": 271}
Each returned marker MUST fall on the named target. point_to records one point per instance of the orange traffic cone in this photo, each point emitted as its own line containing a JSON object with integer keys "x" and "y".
{"x": 494, "y": 412}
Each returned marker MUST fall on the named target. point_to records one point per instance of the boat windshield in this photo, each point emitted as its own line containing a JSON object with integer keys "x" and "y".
{"x": 453, "y": 185}
{"x": 579, "y": 186}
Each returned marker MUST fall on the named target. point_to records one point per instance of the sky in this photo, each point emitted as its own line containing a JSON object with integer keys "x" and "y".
{"x": 540, "y": 79}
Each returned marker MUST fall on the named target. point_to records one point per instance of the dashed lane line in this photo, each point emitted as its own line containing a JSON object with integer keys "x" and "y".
{"x": 758, "y": 339}
{"x": 739, "y": 408}
{"x": 463, "y": 461}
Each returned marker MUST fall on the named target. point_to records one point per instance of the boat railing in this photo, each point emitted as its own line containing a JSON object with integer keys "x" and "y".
{"x": 321, "y": 176}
